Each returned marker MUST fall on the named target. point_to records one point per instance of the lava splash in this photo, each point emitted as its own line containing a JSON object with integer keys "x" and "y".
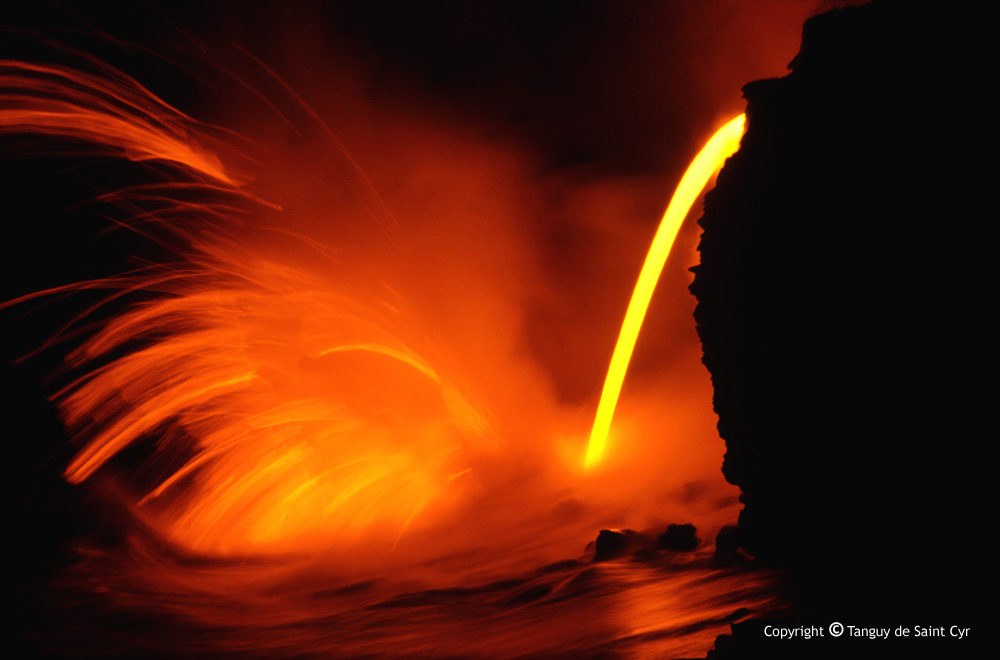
{"x": 288, "y": 413}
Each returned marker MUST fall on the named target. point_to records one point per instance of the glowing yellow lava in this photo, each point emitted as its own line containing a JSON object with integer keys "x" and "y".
{"x": 709, "y": 160}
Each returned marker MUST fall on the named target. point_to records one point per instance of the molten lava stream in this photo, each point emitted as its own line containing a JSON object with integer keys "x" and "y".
{"x": 709, "y": 160}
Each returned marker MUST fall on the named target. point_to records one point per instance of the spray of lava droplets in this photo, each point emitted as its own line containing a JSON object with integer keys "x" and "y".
{"x": 302, "y": 413}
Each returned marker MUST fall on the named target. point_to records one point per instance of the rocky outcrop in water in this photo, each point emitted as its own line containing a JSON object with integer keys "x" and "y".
{"x": 678, "y": 538}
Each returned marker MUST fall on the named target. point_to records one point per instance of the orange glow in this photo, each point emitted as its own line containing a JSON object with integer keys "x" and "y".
{"x": 709, "y": 160}
{"x": 290, "y": 381}
{"x": 304, "y": 394}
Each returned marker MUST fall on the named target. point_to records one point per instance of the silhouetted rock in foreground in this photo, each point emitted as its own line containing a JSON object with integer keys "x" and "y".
{"x": 837, "y": 278}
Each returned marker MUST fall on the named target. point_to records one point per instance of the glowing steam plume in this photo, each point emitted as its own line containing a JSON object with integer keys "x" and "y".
{"x": 709, "y": 160}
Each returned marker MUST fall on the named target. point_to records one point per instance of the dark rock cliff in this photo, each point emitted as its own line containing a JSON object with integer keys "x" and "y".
{"x": 834, "y": 306}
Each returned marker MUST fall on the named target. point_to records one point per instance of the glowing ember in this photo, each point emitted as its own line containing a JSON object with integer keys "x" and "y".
{"x": 709, "y": 160}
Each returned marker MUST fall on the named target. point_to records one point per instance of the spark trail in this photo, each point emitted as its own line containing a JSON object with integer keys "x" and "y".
{"x": 709, "y": 160}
